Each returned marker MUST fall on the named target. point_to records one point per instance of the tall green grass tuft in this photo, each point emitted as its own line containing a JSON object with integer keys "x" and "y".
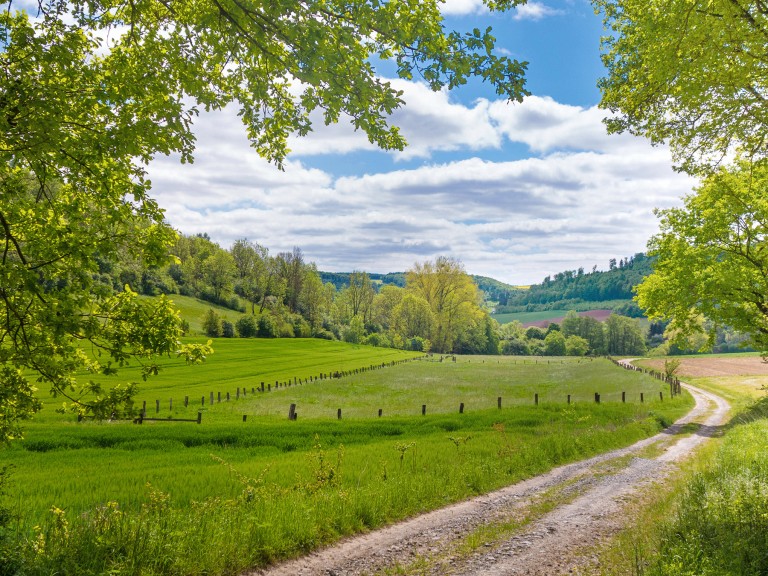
{"x": 721, "y": 527}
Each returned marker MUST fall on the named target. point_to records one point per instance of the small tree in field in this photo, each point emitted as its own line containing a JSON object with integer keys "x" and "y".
{"x": 212, "y": 323}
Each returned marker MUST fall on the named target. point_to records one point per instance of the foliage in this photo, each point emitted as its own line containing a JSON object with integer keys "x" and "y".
{"x": 246, "y": 326}
{"x": 81, "y": 116}
{"x": 712, "y": 258}
{"x": 212, "y": 323}
{"x": 452, "y": 298}
{"x": 688, "y": 73}
{"x": 576, "y": 346}
{"x": 227, "y": 329}
{"x": 580, "y": 290}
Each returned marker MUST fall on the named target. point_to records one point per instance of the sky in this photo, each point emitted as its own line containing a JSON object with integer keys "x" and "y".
{"x": 515, "y": 191}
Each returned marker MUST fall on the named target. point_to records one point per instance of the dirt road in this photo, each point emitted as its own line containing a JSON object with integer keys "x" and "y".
{"x": 542, "y": 526}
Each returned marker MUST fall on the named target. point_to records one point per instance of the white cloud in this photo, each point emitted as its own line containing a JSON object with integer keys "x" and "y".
{"x": 534, "y": 11}
{"x": 429, "y": 120}
{"x": 515, "y": 220}
{"x": 462, "y": 7}
{"x": 528, "y": 11}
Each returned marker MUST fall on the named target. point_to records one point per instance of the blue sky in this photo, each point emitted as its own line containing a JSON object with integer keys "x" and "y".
{"x": 514, "y": 191}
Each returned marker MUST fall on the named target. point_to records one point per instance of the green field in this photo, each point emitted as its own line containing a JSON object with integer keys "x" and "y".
{"x": 525, "y": 317}
{"x": 217, "y": 498}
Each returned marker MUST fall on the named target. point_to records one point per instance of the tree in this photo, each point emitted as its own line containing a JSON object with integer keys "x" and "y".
{"x": 623, "y": 336}
{"x": 576, "y": 346}
{"x": 359, "y": 294}
{"x": 80, "y": 117}
{"x": 250, "y": 261}
{"x": 554, "y": 344}
{"x": 689, "y": 73}
{"x": 713, "y": 258}
{"x": 220, "y": 271}
{"x": 412, "y": 316}
{"x": 212, "y": 323}
{"x": 451, "y": 294}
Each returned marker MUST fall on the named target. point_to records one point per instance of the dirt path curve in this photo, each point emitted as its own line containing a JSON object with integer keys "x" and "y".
{"x": 588, "y": 495}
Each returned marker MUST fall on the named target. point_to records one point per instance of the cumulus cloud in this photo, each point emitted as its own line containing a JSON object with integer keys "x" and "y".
{"x": 528, "y": 11}
{"x": 578, "y": 199}
{"x": 430, "y": 122}
{"x": 534, "y": 11}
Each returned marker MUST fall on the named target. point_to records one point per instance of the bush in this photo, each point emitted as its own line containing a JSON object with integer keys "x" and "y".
{"x": 267, "y": 328}
{"x": 212, "y": 323}
{"x": 515, "y": 347}
{"x": 246, "y": 327}
{"x": 324, "y": 334}
{"x": 227, "y": 329}
{"x": 377, "y": 339}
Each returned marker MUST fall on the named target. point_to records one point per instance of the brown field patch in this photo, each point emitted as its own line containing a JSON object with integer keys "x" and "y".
{"x": 712, "y": 366}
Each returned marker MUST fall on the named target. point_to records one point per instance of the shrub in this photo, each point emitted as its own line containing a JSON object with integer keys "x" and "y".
{"x": 227, "y": 329}
{"x": 246, "y": 327}
{"x": 212, "y": 323}
{"x": 267, "y": 328}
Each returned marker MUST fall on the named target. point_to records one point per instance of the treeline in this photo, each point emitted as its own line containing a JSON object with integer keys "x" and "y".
{"x": 438, "y": 308}
{"x": 434, "y": 306}
{"x": 491, "y": 289}
{"x": 580, "y": 290}
{"x": 575, "y": 336}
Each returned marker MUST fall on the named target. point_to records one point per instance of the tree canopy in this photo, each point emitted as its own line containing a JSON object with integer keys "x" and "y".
{"x": 93, "y": 90}
{"x": 688, "y": 72}
{"x": 713, "y": 257}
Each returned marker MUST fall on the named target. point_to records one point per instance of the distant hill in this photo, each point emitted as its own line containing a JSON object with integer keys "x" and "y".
{"x": 579, "y": 290}
{"x": 492, "y": 289}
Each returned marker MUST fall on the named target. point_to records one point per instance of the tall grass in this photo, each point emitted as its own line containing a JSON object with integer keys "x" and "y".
{"x": 711, "y": 517}
{"x": 721, "y": 524}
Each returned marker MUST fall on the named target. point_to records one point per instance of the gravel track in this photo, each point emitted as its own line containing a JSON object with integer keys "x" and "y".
{"x": 593, "y": 493}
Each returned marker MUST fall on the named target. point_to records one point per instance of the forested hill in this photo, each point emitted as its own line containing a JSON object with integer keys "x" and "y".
{"x": 494, "y": 290}
{"x": 579, "y": 290}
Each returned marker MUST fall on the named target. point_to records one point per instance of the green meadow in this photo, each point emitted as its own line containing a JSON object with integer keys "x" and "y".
{"x": 225, "y": 495}
{"x": 524, "y": 317}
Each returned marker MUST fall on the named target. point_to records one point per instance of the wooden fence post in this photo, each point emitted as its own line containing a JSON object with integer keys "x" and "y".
{"x": 569, "y": 398}
{"x": 202, "y": 403}
{"x": 379, "y": 412}
{"x": 199, "y": 417}
{"x": 186, "y": 401}
{"x": 536, "y": 399}
{"x": 661, "y": 395}
{"x": 212, "y": 399}
{"x": 157, "y": 406}
{"x": 641, "y": 397}
{"x": 338, "y": 414}
{"x": 461, "y": 408}
{"x": 498, "y": 401}
{"x": 227, "y": 396}
{"x": 623, "y": 397}
{"x": 291, "y": 411}
{"x": 170, "y": 405}
{"x": 423, "y": 409}
{"x": 597, "y": 398}
{"x": 245, "y": 417}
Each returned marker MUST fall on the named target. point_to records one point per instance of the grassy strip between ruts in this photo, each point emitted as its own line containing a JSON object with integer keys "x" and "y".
{"x": 710, "y": 518}
{"x": 224, "y": 497}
